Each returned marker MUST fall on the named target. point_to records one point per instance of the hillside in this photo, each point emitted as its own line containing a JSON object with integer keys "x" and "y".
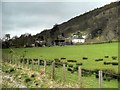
{"x": 99, "y": 25}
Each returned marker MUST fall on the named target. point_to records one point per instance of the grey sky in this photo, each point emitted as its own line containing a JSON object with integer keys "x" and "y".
{"x": 33, "y": 17}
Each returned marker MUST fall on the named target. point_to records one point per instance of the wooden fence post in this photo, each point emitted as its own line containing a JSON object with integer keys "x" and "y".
{"x": 38, "y": 64}
{"x": 32, "y": 64}
{"x": 10, "y": 59}
{"x": 14, "y": 60}
{"x": 28, "y": 63}
{"x": 45, "y": 67}
{"x": 100, "y": 79}
{"x": 53, "y": 70}
{"x": 7, "y": 59}
{"x": 23, "y": 63}
{"x": 17, "y": 61}
{"x": 64, "y": 72}
{"x": 79, "y": 76}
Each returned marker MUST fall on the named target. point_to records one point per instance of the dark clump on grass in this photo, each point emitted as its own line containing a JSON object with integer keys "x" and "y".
{"x": 11, "y": 70}
{"x": 36, "y": 84}
{"x": 69, "y": 69}
{"x": 25, "y": 60}
{"x": 33, "y": 75}
{"x": 107, "y": 63}
{"x": 86, "y": 72}
{"x": 27, "y": 80}
{"x": 57, "y": 60}
{"x": 58, "y": 64}
{"x": 107, "y": 78}
{"x": 109, "y": 75}
{"x": 35, "y": 61}
{"x": 71, "y": 61}
{"x": 75, "y": 68}
{"x": 106, "y": 56}
{"x": 84, "y": 58}
{"x": 49, "y": 62}
{"x": 21, "y": 60}
{"x": 114, "y": 63}
{"x": 62, "y": 58}
{"x": 97, "y": 76}
{"x": 79, "y": 64}
{"x": 114, "y": 57}
{"x": 70, "y": 65}
{"x": 41, "y": 62}
{"x": 99, "y": 60}
{"x": 30, "y": 61}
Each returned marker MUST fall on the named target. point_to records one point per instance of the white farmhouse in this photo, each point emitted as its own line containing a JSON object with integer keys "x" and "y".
{"x": 77, "y": 39}
{"x": 82, "y": 40}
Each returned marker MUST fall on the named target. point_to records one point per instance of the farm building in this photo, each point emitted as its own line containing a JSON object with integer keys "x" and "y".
{"x": 78, "y": 39}
{"x": 81, "y": 40}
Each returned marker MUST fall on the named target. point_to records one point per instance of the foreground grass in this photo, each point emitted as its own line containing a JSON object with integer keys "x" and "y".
{"x": 40, "y": 81}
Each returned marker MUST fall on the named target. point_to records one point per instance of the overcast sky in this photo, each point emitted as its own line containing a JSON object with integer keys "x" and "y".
{"x": 33, "y": 17}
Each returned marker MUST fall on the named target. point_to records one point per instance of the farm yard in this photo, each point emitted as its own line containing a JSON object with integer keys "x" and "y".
{"x": 65, "y": 66}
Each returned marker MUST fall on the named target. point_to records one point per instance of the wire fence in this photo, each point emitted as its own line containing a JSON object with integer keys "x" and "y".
{"x": 60, "y": 72}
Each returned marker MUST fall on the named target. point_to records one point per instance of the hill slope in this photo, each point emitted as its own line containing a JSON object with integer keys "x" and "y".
{"x": 99, "y": 25}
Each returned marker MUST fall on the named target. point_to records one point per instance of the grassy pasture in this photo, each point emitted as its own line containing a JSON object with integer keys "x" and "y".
{"x": 92, "y": 52}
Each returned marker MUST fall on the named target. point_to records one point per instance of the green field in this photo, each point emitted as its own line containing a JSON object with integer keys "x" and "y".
{"x": 92, "y": 52}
